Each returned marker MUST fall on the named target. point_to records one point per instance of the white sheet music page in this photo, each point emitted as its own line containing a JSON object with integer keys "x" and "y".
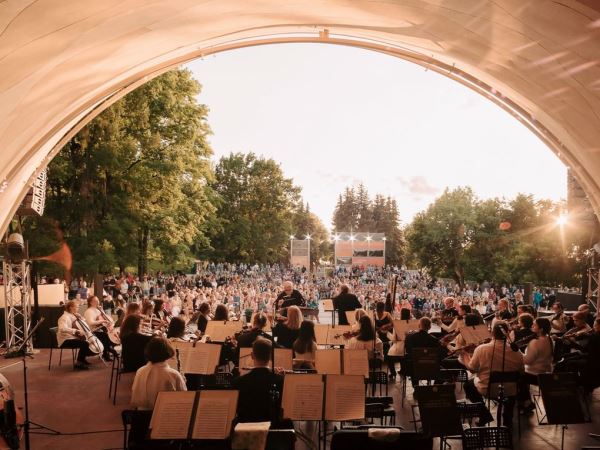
{"x": 303, "y": 397}
{"x": 328, "y": 361}
{"x": 344, "y": 397}
{"x": 356, "y": 362}
{"x": 172, "y": 415}
{"x": 216, "y": 410}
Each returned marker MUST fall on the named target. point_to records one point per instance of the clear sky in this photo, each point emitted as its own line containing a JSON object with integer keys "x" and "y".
{"x": 334, "y": 116}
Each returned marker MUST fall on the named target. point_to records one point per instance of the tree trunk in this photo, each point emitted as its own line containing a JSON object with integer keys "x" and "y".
{"x": 140, "y": 253}
{"x": 145, "y": 237}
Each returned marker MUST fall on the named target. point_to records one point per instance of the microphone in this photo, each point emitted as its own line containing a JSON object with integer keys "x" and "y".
{"x": 513, "y": 346}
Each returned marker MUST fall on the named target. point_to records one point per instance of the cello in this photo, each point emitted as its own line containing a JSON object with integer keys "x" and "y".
{"x": 94, "y": 343}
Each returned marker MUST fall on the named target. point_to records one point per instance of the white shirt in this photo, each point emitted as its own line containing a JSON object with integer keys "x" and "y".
{"x": 538, "y": 356}
{"x": 482, "y": 365}
{"x": 150, "y": 380}
{"x": 355, "y": 344}
{"x": 66, "y": 328}
{"x": 93, "y": 318}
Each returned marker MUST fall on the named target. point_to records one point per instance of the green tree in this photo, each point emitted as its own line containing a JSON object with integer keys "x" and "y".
{"x": 255, "y": 210}
{"x": 135, "y": 179}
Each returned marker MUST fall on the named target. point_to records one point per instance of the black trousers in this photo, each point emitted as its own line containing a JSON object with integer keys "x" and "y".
{"x": 106, "y": 342}
{"x": 83, "y": 346}
{"x": 474, "y": 396}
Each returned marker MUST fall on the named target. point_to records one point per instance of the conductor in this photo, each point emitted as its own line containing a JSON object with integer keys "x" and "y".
{"x": 345, "y": 301}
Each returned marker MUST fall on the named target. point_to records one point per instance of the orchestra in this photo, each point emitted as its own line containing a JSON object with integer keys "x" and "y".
{"x": 149, "y": 335}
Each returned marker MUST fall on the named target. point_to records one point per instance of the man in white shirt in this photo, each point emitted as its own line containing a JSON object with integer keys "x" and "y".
{"x": 156, "y": 376}
{"x": 496, "y": 356}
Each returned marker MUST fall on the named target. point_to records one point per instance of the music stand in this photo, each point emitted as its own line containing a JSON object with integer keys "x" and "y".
{"x": 438, "y": 411}
{"x": 563, "y": 401}
{"x": 22, "y": 351}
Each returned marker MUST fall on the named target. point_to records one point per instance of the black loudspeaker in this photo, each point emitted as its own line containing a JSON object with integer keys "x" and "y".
{"x": 528, "y": 293}
{"x": 570, "y": 300}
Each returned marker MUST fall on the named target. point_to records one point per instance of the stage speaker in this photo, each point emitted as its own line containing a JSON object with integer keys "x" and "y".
{"x": 528, "y": 293}
{"x": 570, "y": 300}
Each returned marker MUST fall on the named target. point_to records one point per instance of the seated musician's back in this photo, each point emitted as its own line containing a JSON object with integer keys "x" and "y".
{"x": 257, "y": 402}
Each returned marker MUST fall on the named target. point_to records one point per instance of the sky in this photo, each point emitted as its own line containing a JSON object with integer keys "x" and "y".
{"x": 336, "y": 116}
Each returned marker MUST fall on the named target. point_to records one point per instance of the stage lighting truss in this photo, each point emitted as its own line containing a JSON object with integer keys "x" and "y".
{"x": 17, "y": 306}
{"x": 593, "y": 276}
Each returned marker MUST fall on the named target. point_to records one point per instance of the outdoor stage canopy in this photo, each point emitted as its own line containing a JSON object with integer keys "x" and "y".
{"x": 64, "y": 61}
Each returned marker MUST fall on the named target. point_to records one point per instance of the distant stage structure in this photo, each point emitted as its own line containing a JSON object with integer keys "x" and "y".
{"x": 359, "y": 249}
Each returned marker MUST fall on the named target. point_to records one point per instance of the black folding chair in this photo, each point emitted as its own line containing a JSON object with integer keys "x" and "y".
{"x": 54, "y": 346}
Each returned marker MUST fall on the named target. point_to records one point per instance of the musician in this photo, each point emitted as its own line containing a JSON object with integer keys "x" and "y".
{"x": 366, "y": 339}
{"x": 305, "y": 346}
{"x": 247, "y": 338}
{"x": 384, "y": 322}
{"x": 160, "y": 312}
{"x": 100, "y": 323}
{"x": 396, "y": 352}
{"x": 559, "y": 319}
{"x": 503, "y": 312}
{"x": 289, "y": 297}
{"x": 133, "y": 343}
{"x": 221, "y": 313}
{"x": 204, "y": 317}
{"x": 459, "y": 345}
{"x": 449, "y": 312}
{"x": 156, "y": 376}
{"x": 524, "y": 330}
{"x": 70, "y": 336}
{"x": 458, "y": 321}
{"x": 120, "y": 311}
{"x": 590, "y": 371}
{"x": 176, "y": 330}
{"x": 287, "y": 331}
{"x": 257, "y": 401}
{"x": 358, "y": 313}
{"x": 493, "y": 357}
{"x": 345, "y": 301}
{"x": 577, "y": 337}
{"x": 537, "y": 359}
{"x": 589, "y": 317}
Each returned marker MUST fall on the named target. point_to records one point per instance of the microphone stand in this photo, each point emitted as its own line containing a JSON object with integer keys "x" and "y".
{"x": 23, "y": 352}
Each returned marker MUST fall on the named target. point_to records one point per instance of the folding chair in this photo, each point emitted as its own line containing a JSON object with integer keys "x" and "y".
{"x": 378, "y": 378}
{"x": 54, "y": 346}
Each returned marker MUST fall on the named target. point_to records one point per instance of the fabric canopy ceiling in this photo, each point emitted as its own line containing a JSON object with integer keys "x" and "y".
{"x": 63, "y": 61}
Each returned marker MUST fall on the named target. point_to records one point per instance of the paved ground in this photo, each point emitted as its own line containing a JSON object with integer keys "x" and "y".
{"x": 74, "y": 402}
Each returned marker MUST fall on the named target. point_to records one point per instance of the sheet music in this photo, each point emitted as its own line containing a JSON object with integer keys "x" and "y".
{"x": 328, "y": 361}
{"x": 219, "y": 331}
{"x": 401, "y": 327}
{"x": 476, "y": 334}
{"x": 216, "y": 410}
{"x": 321, "y": 334}
{"x": 356, "y": 362}
{"x": 284, "y": 358}
{"x": 171, "y": 415}
{"x": 335, "y": 335}
{"x": 328, "y": 304}
{"x": 203, "y": 359}
{"x": 303, "y": 397}
{"x": 344, "y": 397}
{"x": 350, "y": 317}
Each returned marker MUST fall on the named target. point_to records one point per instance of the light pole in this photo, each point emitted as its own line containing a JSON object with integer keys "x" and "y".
{"x": 291, "y": 250}
{"x": 384, "y": 239}
{"x": 307, "y": 237}
{"x": 336, "y": 238}
{"x": 352, "y": 239}
{"x": 369, "y": 247}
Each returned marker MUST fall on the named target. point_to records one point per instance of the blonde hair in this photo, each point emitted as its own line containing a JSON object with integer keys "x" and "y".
{"x": 294, "y": 317}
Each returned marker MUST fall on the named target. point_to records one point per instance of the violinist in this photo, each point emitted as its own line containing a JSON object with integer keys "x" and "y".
{"x": 305, "y": 346}
{"x": 524, "y": 330}
{"x": 458, "y": 321}
{"x": 100, "y": 324}
{"x": 448, "y": 314}
{"x": 203, "y": 317}
{"x": 133, "y": 343}
{"x": 384, "y": 322}
{"x": 246, "y": 338}
{"x": 366, "y": 339}
{"x": 176, "y": 330}
{"x": 559, "y": 319}
{"x": 576, "y": 339}
{"x": 458, "y": 345}
{"x": 287, "y": 332}
{"x": 537, "y": 359}
{"x": 396, "y": 352}
{"x": 589, "y": 317}
{"x": 69, "y": 336}
{"x": 503, "y": 312}
{"x": 221, "y": 313}
{"x": 160, "y": 312}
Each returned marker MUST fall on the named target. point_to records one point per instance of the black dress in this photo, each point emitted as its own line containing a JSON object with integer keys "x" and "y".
{"x": 285, "y": 336}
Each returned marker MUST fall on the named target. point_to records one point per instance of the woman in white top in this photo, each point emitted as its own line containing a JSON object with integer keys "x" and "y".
{"x": 156, "y": 376}
{"x": 538, "y": 359}
{"x": 366, "y": 339}
{"x": 305, "y": 346}
{"x": 396, "y": 352}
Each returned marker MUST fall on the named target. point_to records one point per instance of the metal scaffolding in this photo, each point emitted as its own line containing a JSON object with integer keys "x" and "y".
{"x": 593, "y": 276}
{"x": 17, "y": 307}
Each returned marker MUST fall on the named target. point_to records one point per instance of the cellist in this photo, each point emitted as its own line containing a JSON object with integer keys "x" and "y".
{"x": 69, "y": 336}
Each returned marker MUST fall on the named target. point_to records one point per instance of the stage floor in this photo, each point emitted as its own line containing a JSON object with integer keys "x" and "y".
{"x": 74, "y": 402}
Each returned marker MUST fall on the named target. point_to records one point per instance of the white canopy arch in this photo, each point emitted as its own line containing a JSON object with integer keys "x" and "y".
{"x": 64, "y": 61}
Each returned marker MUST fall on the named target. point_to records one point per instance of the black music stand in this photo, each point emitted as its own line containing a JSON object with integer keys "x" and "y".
{"x": 22, "y": 350}
{"x": 438, "y": 411}
{"x": 563, "y": 401}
